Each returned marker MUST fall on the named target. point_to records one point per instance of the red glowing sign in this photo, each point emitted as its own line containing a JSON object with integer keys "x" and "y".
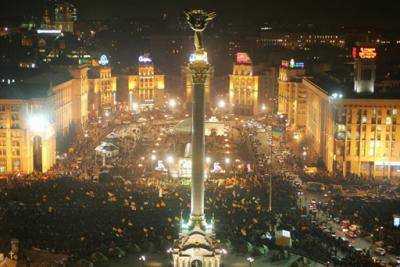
{"x": 243, "y": 58}
{"x": 364, "y": 52}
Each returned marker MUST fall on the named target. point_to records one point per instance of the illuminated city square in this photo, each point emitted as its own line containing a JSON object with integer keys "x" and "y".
{"x": 181, "y": 135}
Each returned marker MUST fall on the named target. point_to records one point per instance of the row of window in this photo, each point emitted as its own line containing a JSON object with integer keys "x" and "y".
{"x": 15, "y": 152}
{"x": 373, "y": 148}
{"x": 15, "y": 164}
{"x": 15, "y": 108}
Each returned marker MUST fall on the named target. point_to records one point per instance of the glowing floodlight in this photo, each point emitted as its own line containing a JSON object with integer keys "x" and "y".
{"x": 172, "y": 103}
{"x": 135, "y": 106}
{"x": 38, "y": 123}
{"x": 170, "y": 159}
{"x": 221, "y": 104}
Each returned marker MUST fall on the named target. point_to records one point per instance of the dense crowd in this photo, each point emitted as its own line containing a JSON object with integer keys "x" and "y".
{"x": 134, "y": 209}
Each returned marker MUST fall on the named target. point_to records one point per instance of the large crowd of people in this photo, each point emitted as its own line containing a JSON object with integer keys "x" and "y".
{"x": 134, "y": 208}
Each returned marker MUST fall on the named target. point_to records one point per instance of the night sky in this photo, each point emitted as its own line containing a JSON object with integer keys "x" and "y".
{"x": 356, "y": 12}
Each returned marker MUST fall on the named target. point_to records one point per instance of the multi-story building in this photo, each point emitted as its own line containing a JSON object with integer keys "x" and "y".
{"x": 290, "y": 92}
{"x": 308, "y": 113}
{"x": 368, "y": 136}
{"x": 65, "y": 15}
{"x": 102, "y": 89}
{"x": 352, "y": 133}
{"x": 80, "y": 95}
{"x": 146, "y": 89}
{"x": 364, "y": 68}
{"x": 243, "y": 86}
{"x": 59, "y": 85}
{"x": 300, "y": 40}
{"x": 36, "y": 113}
{"x": 27, "y": 133}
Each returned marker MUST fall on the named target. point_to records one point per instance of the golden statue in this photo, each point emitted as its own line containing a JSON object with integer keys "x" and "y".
{"x": 198, "y": 20}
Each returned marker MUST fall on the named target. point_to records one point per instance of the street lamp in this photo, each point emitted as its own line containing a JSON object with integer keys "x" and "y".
{"x": 250, "y": 260}
{"x": 170, "y": 159}
{"x": 263, "y": 107}
{"x": 208, "y": 160}
{"x": 142, "y": 259}
{"x": 153, "y": 157}
{"x": 172, "y": 103}
{"x": 227, "y": 160}
{"x": 296, "y": 136}
{"x": 221, "y": 103}
{"x": 38, "y": 123}
{"x": 135, "y": 107}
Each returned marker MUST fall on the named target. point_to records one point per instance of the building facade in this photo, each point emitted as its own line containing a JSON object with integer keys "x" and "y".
{"x": 364, "y": 69}
{"x": 309, "y": 118}
{"x": 291, "y": 93}
{"x": 368, "y": 137}
{"x": 102, "y": 90}
{"x": 37, "y": 114}
{"x": 80, "y": 95}
{"x": 243, "y": 87}
{"x": 355, "y": 134}
{"x": 65, "y": 15}
{"x": 27, "y": 137}
{"x": 146, "y": 89}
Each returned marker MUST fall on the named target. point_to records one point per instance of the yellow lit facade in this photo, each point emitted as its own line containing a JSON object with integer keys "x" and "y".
{"x": 368, "y": 137}
{"x": 352, "y": 135}
{"x": 309, "y": 117}
{"x": 291, "y": 93}
{"x": 243, "y": 90}
{"x": 146, "y": 88}
{"x": 23, "y": 149}
{"x": 80, "y": 95}
{"x": 34, "y": 112}
{"x": 103, "y": 88}
{"x": 62, "y": 107}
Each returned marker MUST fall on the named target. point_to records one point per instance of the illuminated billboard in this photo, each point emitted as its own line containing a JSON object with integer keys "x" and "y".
{"x": 292, "y": 64}
{"x": 243, "y": 58}
{"x": 145, "y": 59}
{"x": 364, "y": 52}
{"x": 48, "y": 31}
{"x": 103, "y": 60}
{"x": 198, "y": 57}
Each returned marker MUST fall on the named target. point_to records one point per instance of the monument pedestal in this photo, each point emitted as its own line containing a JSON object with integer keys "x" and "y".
{"x": 196, "y": 249}
{"x": 197, "y": 246}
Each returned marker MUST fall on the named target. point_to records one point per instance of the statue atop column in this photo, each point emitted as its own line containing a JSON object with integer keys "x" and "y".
{"x": 198, "y": 20}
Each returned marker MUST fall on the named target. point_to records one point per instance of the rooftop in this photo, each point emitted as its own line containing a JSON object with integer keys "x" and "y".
{"x": 36, "y": 86}
{"x": 331, "y": 85}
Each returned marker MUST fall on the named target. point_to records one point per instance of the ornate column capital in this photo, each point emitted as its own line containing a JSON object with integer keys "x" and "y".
{"x": 199, "y": 71}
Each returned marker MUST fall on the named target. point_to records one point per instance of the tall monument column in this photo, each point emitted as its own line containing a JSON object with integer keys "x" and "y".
{"x": 199, "y": 69}
{"x": 196, "y": 245}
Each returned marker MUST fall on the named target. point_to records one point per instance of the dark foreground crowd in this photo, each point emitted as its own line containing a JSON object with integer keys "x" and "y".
{"x": 82, "y": 218}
